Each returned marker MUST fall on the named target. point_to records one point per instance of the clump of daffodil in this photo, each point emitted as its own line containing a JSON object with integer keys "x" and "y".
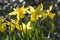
{"x": 43, "y": 14}
{"x": 19, "y": 12}
{"x": 48, "y": 13}
{"x": 21, "y": 26}
{"x": 14, "y": 24}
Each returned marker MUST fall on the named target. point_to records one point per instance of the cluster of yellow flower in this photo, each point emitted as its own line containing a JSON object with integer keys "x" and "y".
{"x": 35, "y": 15}
{"x": 13, "y": 24}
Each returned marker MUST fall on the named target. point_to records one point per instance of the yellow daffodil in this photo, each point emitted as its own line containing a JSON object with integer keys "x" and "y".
{"x": 26, "y": 27}
{"x": 43, "y": 15}
{"x": 10, "y": 26}
{"x": 17, "y": 26}
{"x": 50, "y": 14}
{"x": 2, "y": 27}
{"x": 34, "y": 16}
{"x": 19, "y": 12}
{"x": 39, "y": 9}
{"x": 35, "y": 13}
{"x": 14, "y": 21}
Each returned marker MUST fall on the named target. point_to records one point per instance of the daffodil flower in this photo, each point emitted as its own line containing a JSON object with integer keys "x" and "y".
{"x": 35, "y": 13}
{"x": 44, "y": 15}
{"x": 22, "y": 26}
{"x": 34, "y": 16}
{"x": 10, "y": 26}
{"x": 19, "y": 12}
{"x": 26, "y": 27}
{"x": 39, "y": 9}
{"x": 17, "y": 26}
{"x": 50, "y": 14}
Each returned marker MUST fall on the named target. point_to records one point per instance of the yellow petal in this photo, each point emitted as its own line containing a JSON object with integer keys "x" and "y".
{"x": 13, "y": 13}
{"x": 51, "y": 15}
{"x": 18, "y": 17}
{"x": 14, "y": 21}
{"x": 32, "y": 10}
{"x": 28, "y": 12}
{"x": 28, "y": 25}
{"x": 22, "y": 10}
{"x": 39, "y": 16}
{"x": 39, "y": 9}
{"x": 34, "y": 17}
{"x": 23, "y": 25}
{"x": 19, "y": 27}
{"x": 15, "y": 9}
{"x": 24, "y": 28}
{"x": 44, "y": 16}
{"x": 50, "y": 8}
{"x": 11, "y": 26}
{"x": 21, "y": 15}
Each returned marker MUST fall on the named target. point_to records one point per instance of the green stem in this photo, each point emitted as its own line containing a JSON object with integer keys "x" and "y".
{"x": 14, "y": 37}
{"x": 7, "y": 38}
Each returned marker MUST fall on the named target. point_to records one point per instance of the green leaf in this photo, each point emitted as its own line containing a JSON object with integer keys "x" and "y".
{"x": 42, "y": 36}
{"x": 7, "y": 38}
{"x": 36, "y": 33}
{"x": 14, "y": 36}
{"x": 52, "y": 27}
